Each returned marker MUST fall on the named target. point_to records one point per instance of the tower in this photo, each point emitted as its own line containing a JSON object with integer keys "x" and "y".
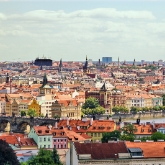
{"x": 85, "y": 67}
{"x": 7, "y": 78}
{"x": 60, "y": 65}
{"x": 134, "y": 63}
{"x": 118, "y": 63}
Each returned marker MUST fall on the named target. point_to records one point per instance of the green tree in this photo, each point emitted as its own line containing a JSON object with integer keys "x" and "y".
{"x": 135, "y": 109}
{"x": 31, "y": 112}
{"x": 163, "y": 99}
{"x": 56, "y": 157}
{"x": 23, "y": 113}
{"x": 129, "y": 129}
{"x": 158, "y": 136}
{"x": 127, "y": 137}
{"x": 121, "y": 109}
{"x": 7, "y": 155}
{"x": 110, "y": 136}
{"x": 92, "y": 107}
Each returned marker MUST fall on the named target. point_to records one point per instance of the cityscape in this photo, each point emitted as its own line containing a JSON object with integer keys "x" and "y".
{"x": 82, "y": 83}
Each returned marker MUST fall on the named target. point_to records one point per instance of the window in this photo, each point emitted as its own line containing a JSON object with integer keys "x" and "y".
{"x": 54, "y": 140}
{"x": 49, "y": 139}
{"x": 48, "y": 146}
{"x": 98, "y": 134}
{"x": 44, "y": 139}
{"x": 44, "y": 146}
{"x": 91, "y": 134}
{"x": 40, "y": 146}
{"x": 40, "y": 139}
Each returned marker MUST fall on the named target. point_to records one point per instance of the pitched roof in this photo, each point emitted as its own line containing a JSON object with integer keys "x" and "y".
{"x": 150, "y": 149}
{"x": 101, "y": 150}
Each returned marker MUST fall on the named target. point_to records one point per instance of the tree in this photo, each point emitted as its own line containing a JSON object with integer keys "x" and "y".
{"x": 56, "y": 157}
{"x": 121, "y": 109}
{"x": 32, "y": 112}
{"x": 23, "y": 113}
{"x": 163, "y": 99}
{"x": 135, "y": 109}
{"x": 92, "y": 107}
{"x": 7, "y": 155}
{"x": 114, "y": 135}
{"x": 158, "y": 136}
{"x": 129, "y": 129}
{"x": 45, "y": 157}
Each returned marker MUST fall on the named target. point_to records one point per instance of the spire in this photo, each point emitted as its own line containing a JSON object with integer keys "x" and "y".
{"x": 45, "y": 80}
{"x": 103, "y": 88}
{"x": 86, "y": 58}
{"x": 7, "y": 78}
{"x": 118, "y": 63}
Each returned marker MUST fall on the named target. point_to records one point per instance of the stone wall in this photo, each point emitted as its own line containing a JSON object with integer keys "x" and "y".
{"x": 147, "y": 115}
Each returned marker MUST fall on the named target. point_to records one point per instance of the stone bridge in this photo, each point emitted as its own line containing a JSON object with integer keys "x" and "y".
{"x": 18, "y": 124}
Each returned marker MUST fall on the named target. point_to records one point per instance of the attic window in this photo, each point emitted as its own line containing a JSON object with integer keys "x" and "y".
{"x": 47, "y": 131}
{"x": 39, "y": 131}
{"x": 94, "y": 127}
{"x": 76, "y": 138}
{"x": 70, "y": 138}
{"x": 108, "y": 127}
{"x": 54, "y": 133}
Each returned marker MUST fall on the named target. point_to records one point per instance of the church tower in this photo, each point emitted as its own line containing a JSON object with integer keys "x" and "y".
{"x": 45, "y": 89}
{"x": 118, "y": 63}
{"x": 85, "y": 67}
{"x": 60, "y": 65}
{"x": 134, "y": 62}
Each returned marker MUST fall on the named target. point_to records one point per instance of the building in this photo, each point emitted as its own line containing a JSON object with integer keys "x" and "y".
{"x": 42, "y": 135}
{"x": 66, "y": 108}
{"x": 43, "y": 62}
{"x": 35, "y": 105}
{"x": 106, "y": 60}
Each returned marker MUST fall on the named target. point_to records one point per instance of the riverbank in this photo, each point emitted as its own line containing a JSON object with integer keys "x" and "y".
{"x": 143, "y": 116}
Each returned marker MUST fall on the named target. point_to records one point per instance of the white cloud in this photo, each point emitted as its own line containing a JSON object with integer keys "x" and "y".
{"x": 97, "y": 32}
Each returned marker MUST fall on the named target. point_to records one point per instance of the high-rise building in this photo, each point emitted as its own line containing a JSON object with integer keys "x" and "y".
{"x": 106, "y": 60}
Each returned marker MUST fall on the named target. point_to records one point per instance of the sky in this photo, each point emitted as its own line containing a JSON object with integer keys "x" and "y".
{"x": 72, "y": 29}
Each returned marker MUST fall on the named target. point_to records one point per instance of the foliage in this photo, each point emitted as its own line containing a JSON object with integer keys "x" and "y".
{"x": 23, "y": 113}
{"x": 127, "y": 137}
{"x": 135, "y": 109}
{"x": 163, "y": 99}
{"x": 121, "y": 109}
{"x": 152, "y": 67}
{"x": 56, "y": 157}
{"x": 158, "y": 136}
{"x": 110, "y": 136}
{"x": 129, "y": 129}
{"x": 92, "y": 107}
{"x": 42, "y": 115}
{"x": 7, "y": 152}
{"x": 31, "y": 112}
{"x": 143, "y": 139}
{"x": 56, "y": 117}
{"x": 45, "y": 157}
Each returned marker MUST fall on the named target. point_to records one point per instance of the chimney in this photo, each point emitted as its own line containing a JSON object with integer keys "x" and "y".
{"x": 78, "y": 127}
{"x": 18, "y": 139}
{"x": 67, "y": 121}
{"x": 91, "y": 121}
{"x": 56, "y": 124}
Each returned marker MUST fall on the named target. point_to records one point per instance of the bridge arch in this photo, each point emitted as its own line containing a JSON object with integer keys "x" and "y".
{"x": 3, "y": 124}
{"x": 21, "y": 127}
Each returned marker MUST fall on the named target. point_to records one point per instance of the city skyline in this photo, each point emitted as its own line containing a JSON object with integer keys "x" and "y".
{"x": 73, "y": 29}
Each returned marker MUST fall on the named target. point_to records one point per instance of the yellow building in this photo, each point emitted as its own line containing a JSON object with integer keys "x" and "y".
{"x": 34, "y": 105}
{"x": 98, "y": 127}
{"x": 12, "y": 107}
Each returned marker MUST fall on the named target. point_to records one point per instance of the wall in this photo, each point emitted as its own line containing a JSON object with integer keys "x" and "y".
{"x": 146, "y": 115}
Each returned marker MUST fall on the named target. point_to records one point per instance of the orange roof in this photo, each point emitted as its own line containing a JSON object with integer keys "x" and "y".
{"x": 143, "y": 129}
{"x": 150, "y": 149}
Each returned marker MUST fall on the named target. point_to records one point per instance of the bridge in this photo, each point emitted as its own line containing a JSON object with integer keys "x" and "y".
{"x": 18, "y": 124}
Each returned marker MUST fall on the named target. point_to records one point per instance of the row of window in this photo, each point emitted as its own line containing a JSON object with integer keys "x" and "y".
{"x": 95, "y": 134}
{"x": 60, "y": 146}
{"x": 59, "y": 140}
{"x": 44, "y": 139}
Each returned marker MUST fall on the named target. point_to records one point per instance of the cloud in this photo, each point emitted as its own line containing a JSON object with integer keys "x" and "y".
{"x": 97, "y": 32}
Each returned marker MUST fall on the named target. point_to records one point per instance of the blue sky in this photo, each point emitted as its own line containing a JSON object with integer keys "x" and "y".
{"x": 73, "y": 29}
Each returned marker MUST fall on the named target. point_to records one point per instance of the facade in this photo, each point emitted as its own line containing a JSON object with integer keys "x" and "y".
{"x": 66, "y": 108}
{"x": 106, "y": 60}
{"x": 2, "y": 106}
{"x": 35, "y": 105}
{"x": 23, "y": 105}
{"x": 108, "y": 98}
{"x": 12, "y": 107}
{"x": 42, "y": 136}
